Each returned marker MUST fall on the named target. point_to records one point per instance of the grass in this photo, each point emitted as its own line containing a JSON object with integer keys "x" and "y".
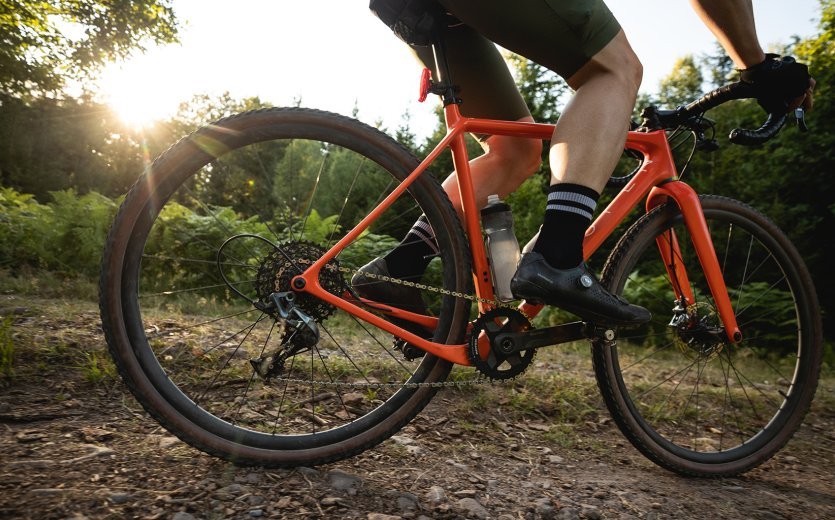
{"x": 48, "y": 284}
{"x": 96, "y": 368}
{"x": 7, "y": 353}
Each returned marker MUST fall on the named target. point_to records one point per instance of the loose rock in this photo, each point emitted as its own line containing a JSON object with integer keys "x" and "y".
{"x": 472, "y": 508}
{"x": 545, "y": 509}
{"x": 436, "y": 495}
{"x": 344, "y": 482}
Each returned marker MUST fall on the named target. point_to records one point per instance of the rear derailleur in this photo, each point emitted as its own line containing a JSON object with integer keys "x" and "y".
{"x": 298, "y": 332}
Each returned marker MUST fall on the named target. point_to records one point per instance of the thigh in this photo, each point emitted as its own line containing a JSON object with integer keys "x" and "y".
{"x": 562, "y": 35}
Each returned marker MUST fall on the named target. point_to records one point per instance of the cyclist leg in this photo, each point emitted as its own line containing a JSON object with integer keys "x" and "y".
{"x": 507, "y": 161}
{"x": 580, "y": 40}
{"x": 489, "y": 92}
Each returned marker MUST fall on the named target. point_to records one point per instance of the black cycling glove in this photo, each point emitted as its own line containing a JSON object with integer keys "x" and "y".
{"x": 776, "y": 82}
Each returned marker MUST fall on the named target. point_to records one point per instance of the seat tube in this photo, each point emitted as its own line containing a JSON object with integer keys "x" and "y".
{"x": 470, "y": 209}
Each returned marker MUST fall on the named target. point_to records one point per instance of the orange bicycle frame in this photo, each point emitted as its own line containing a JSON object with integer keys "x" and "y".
{"x": 656, "y": 179}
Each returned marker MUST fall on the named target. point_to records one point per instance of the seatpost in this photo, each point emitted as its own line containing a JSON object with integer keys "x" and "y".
{"x": 443, "y": 74}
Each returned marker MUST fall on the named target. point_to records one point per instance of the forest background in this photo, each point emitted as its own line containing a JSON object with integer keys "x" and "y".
{"x": 66, "y": 160}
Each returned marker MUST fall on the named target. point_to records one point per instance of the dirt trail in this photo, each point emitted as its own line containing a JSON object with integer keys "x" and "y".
{"x": 73, "y": 448}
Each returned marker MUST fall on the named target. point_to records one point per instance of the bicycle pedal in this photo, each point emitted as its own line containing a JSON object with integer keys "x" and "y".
{"x": 595, "y": 332}
{"x": 409, "y": 351}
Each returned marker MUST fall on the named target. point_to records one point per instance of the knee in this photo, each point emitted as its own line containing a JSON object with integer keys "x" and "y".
{"x": 633, "y": 71}
{"x": 519, "y": 158}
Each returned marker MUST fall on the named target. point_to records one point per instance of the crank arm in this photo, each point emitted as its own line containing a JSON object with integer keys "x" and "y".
{"x": 510, "y": 342}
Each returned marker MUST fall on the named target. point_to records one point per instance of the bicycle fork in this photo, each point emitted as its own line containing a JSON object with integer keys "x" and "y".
{"x": 668, "y": 246}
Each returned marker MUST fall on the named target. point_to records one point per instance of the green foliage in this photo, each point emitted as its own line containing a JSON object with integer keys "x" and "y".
{"x": 6, "y": 348}
{"x": 682, "y": 85}
{"x": 44, "y": 43}
{"x": 528, "y": 203}
{"x": 65, "y": 235}
{"x": 58, "y": 144}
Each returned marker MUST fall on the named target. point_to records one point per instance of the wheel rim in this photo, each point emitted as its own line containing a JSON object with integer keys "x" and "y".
{"x": 195, "y": 337}
{"x": 694, "y": 394}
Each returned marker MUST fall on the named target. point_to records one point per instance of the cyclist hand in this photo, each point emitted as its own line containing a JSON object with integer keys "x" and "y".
{"x": 806, "y": 100}
{"x": 780, "y": 83}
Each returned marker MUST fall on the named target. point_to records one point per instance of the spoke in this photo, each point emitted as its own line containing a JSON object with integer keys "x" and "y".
{"x": 205, "y": 322}
{"x": 391, "y": 221}
{"x": 726, "y": 372}
{"x": 690, "y": 397}
{"x": 312, "y": 195}
{"x": 687, "y": 368}
{"x": 745, "y": 270}
{"x": 392, "y": 356}
{"x": 345, "y": 202}
{"x": 217, "y": 220}
{"x": 727, "y": 246}
{"x": 384, "y": 191}
{"x": 362, "y": 255}
{"x": 283, "y": 394}
{"x": 350, "y": 360}
{"x": 235, "y": 335}
{"x": 331, "y": 379}
{"x": 403, "y": 216}
{"x": 758, "y": 298}
{"x": 654, "y": 352}
{"x": 228, "y": 359}
{"x": 179, "y": 291}
{"x": 673, "y": 391}
{"x": 312, "y": 392}
{"x": 754, "y": 385}
{"x": 762, "y": 263}
{"x": 197, "y": 260}
{"x": 252, "y": 376}
{"x": 270, "y": 184}
{"x": 676, "y": 282}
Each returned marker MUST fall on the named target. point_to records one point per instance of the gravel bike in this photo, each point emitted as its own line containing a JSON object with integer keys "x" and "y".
{"x": 227, "y": 304}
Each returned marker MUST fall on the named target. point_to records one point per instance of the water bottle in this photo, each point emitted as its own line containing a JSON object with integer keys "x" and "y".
{"x": 500, "y": 242}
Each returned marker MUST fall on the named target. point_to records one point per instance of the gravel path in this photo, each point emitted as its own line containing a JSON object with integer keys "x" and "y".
{"x": 72, "y": 448}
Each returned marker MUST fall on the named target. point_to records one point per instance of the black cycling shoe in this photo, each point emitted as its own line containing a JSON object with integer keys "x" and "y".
{"x": 389, "y": 293}
{"x": 575, "y": 290}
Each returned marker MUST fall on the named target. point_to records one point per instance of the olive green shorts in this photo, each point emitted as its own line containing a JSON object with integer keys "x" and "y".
{"x": 559, "y": 34}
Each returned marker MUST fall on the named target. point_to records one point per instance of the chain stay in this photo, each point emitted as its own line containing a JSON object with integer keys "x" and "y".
{"x": 423, "y": 287}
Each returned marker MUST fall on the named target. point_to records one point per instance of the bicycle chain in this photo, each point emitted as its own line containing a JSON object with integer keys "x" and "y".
{"x": 438, "y": 384}
{"x": 423, "y": 287}
{"x": 420, "y": 286}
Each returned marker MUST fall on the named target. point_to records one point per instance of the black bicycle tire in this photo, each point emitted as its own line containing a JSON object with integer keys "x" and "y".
{"x": 129, "y": 230}
{"x": 604, "y": 354}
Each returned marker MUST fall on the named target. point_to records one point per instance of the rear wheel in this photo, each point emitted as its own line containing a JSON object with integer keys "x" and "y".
{"x": 683, "y": 395}
{"x": 220, "y": 224}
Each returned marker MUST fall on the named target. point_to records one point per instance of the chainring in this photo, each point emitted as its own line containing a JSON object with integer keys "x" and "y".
{"x": 498, "y": 365}
{"x": 287, "y": 261}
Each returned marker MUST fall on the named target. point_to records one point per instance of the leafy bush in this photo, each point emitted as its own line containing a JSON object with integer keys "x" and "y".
{"x": 65, "y": 235}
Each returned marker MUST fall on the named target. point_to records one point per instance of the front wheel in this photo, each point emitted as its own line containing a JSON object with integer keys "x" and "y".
{"x": 680, "y": 392}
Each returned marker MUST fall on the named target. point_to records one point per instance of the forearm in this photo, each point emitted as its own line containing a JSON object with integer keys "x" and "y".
{"x": 732, "y": 22}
